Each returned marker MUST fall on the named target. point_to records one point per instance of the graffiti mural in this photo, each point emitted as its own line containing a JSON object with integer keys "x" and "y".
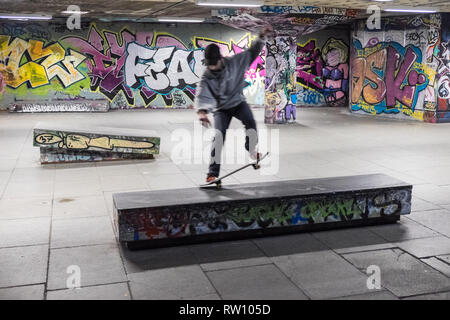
{"x": 388, "y": 78}
{"x": 191, "y": 220}
{"x": 280, "y": 78}
{"x": 95, "y": 144}
{"x": 443, "y": 75}
{"x": 35, "y": 64}
{"x": 285, "y": 20}
{"x": 322, "y": 73}
{"x": 128, "y": 68}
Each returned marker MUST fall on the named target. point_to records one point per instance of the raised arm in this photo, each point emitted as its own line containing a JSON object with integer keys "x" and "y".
{"x": 246, "y": 58}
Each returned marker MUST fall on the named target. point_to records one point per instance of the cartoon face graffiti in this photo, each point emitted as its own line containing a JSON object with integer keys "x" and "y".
{"x": 335, "y": 72}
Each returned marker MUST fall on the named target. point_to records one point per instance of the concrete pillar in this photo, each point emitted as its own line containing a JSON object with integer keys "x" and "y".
{"x": 280, "y": 80}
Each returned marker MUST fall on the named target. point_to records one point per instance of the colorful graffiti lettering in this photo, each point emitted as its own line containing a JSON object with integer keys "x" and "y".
{"x": 36, "y": 65}
{"x": 149, "y": 65}
{"x": 387, "y": 78}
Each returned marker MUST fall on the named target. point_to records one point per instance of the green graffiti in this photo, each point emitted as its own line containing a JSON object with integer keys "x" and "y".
{"x": 265, "y": 215}
{"x": 320, "y": 211}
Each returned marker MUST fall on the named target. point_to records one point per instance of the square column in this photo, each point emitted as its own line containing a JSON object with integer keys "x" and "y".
{"x": 280, "y": 94}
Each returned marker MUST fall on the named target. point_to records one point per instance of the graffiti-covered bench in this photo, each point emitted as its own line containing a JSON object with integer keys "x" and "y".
{"x": 60, "y": 106}
{"x": 82, "y": 143}
{"x": 170, "y": 217}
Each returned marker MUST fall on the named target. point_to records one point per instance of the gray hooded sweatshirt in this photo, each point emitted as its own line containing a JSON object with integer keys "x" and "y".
{"x": 221, "y": 90}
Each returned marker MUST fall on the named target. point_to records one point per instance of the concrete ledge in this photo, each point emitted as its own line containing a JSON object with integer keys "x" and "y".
{"x": 83, "y": 143}
{"x": 60, "y": 106}
{"x": 48, "y": 156}
{"x": 169, "y": 217}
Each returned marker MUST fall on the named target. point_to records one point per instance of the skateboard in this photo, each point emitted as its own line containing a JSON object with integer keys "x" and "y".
{"x": 218, "y": 181}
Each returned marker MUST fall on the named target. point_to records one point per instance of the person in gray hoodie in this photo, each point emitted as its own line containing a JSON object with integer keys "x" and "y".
{"x": 220, "y": 91}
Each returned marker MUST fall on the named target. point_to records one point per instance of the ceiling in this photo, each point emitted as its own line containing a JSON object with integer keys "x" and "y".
{"x": 141, "y": 9}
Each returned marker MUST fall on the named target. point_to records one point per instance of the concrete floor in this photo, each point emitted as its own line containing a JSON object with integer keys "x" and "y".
{"x": 57, "y": 216}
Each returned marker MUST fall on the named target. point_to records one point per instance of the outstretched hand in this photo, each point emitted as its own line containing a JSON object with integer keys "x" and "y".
{"x": 204, "y": 120}
{"x": 266, "y": 30}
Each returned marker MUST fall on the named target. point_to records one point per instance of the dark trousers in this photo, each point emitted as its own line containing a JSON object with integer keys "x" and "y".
{"x": 222, "y": 119}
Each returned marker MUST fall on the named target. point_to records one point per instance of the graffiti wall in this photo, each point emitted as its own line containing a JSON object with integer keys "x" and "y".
{"x": 443, "y": 73}
{"x": 394, "y": 69}
{"x": 133, "y": 65}
{"x": 322, "y": 68}
{"x": 280, "y": 80}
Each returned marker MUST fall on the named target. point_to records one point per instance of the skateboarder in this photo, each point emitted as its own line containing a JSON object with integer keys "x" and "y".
{"x": 220, "y": 91}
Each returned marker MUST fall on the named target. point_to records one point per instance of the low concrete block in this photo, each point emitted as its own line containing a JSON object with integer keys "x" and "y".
{"x": 166, "y": 217}
{"x": 81, "y": 143}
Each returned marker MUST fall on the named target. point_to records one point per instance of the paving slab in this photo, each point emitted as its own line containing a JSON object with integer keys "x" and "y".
{"x": 377, "y": 295}
{"x": 158, "y": 258}
{"x": 79, "y": 207}
{"x": 432, "y": 193}
{"x": 24, "y": 232}
{"x": 116, "y": 291}
{"x": 418, "y": 204}
{"x": 255, "y": 283}
{"x": 349, "y": 238}
{"x": 438, "y": 220}
{"x": 289, "y": 244}
{"x": 25, "y": 207}
{"x": 77, "y": 188}
{"x": 445, "y": 258}
{"x": 405, "y": 229}
{"x": 20, "y": 190}
{"x": 82, "y": 231}
{"x": 401, "y": 273}
{"x": 119, "y": 182}
{"x": 186, "y": 282}
{"x": 35, "y": 292}
{"x": 100, "y": 264}
{"x": 23, "y": 265}
{"x": 433, "y": 296}
{"x": 426, "y": 247}
{"x": 312, "y": 272}
{"x": 211, "y": 296}
{"x": 229, "y": 254}
{"x": 438, "y": 264}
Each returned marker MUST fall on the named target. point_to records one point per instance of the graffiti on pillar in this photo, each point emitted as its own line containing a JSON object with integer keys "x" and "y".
{"x": 2, "y": 84}
{"x": 443, "y": 76}
{"x": 280, "y": 78}
{"x": 322, "y": 73}
{"x": 388, "y": 78}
